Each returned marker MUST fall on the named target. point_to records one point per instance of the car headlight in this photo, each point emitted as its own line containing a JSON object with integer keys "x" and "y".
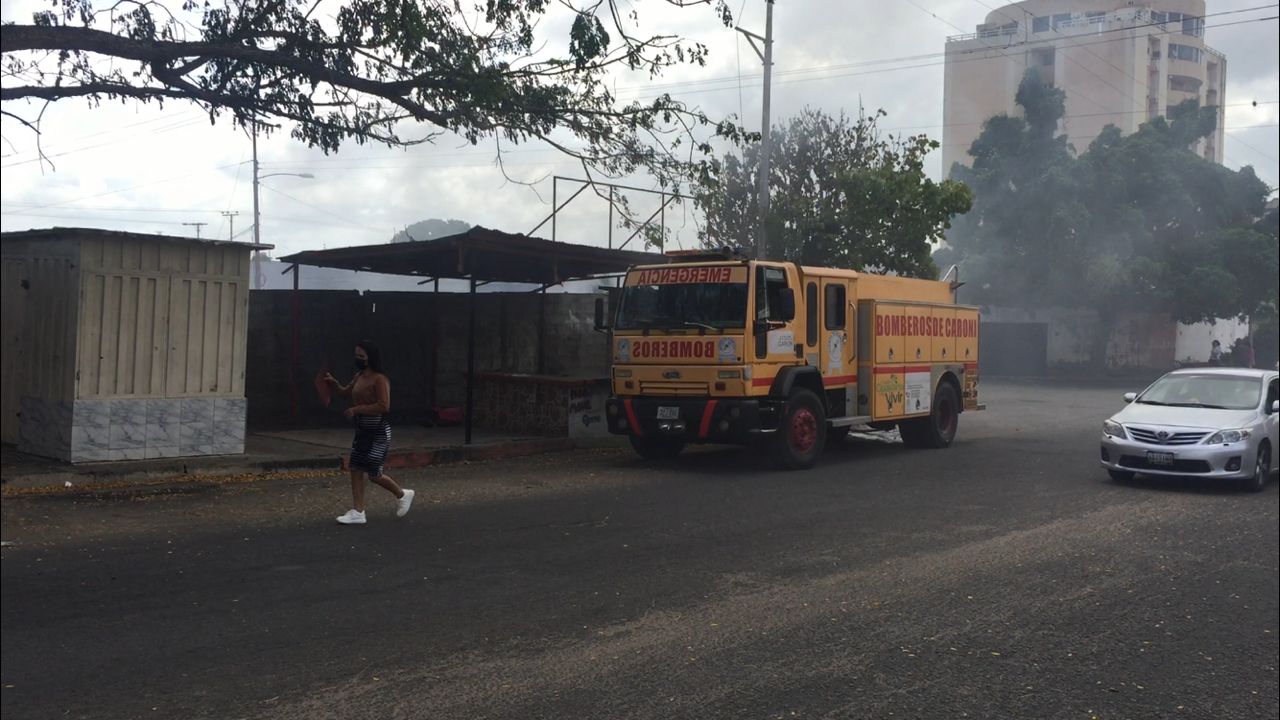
{"x": 1114, "y": 429}
{"x": 1226, "y": 437}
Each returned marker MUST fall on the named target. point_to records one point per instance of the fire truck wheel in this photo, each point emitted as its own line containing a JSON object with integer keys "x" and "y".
{"x": 802, "y": 434}
{"x": 656, "y": 448}
{"x": 939, "y": 429}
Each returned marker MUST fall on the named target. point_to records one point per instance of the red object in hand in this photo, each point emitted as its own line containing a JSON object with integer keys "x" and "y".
{"x": 323, "y": 390}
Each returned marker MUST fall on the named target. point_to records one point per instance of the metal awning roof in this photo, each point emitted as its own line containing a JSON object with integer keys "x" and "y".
{"x": 481, "y": 254}
{"x": 83, "y": 233}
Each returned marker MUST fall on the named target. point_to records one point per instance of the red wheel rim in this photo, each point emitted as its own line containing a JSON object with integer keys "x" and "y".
{"x": 804, "y": 430}
{"x": 946, "y": 418}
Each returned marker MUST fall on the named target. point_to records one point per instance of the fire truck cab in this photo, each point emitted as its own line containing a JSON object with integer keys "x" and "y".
{"x": 716, "y": 348}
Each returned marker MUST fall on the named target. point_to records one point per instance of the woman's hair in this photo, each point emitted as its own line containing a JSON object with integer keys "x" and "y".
{"x": 375, "y": 355}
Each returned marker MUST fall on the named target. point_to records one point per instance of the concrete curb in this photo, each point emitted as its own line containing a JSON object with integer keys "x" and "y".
{"x": 410, "y": 459}
{"x": 191, "y": 476}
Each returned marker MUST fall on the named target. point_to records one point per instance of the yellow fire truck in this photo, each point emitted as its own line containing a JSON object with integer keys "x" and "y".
{"x": 716, "y": 348}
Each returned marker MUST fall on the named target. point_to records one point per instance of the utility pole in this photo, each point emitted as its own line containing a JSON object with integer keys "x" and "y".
{"x": 259, "y": 279}
{"x": 197, "y": 226}
{"x": 766, "y": 57}
{"x": 230, "y": 215}
{"x": 257, "y": 234}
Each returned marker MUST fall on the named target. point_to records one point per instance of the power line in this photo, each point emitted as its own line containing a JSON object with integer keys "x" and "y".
{"x": 46, "y": 156}
{"x": 185, "y": 211}
{"x": 937, "y": 55}
{"x": 108, "y": 131}
{"x": 1257, "y": 150}
{"x": 388, "y": 164}
{"x": 929, "y": 64}
{"x": 1057, "y": 32}
{"x": 135, "y": 187}
{"x": 330, "y": 213}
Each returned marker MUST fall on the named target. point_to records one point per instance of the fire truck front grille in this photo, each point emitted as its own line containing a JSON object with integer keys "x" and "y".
{"x": 669, "y": 387}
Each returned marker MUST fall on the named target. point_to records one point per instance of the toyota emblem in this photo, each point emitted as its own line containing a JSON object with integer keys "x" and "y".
{"x": 1163, "y": 435}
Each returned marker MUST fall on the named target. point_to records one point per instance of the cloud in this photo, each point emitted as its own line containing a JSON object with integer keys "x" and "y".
{"x": 138, "y": 167}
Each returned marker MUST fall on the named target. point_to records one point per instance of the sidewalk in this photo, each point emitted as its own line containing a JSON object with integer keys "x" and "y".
{"x": 287, "y": 453}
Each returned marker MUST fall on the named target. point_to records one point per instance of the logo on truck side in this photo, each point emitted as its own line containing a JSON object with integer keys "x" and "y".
{"x": 925, "y": 326}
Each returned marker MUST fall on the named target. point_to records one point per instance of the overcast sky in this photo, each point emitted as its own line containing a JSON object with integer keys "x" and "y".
{"x": 142, "y": 168}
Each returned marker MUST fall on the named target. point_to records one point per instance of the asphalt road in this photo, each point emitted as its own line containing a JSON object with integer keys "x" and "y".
{"x": 1005, "y": 577}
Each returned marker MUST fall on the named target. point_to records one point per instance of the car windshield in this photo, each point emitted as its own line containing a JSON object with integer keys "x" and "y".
{"x": 680, "y": 305}
{"x": 1212, "y": 391}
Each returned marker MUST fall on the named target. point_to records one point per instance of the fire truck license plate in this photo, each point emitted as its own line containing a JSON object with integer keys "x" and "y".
{"x": 1160, "y": 458}
{"x": 668, "y": 413}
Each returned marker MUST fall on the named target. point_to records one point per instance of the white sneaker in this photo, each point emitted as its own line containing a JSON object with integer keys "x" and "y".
{"x": 353, "y": 517}
{"x": 402, "y": 505}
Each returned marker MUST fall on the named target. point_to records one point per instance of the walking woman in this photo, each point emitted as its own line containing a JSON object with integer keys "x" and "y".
{"x": 369, "y": 393}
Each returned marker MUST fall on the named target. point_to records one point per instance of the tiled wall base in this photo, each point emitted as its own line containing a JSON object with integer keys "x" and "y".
{"x": 109, "y": 430}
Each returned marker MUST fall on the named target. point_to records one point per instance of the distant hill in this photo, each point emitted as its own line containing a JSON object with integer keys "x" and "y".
{"x": 431, "y": 229}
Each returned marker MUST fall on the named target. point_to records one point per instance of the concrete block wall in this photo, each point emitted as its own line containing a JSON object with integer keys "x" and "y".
{"x": 538, "y": 405}
{"x": 1138, "y": 340}
{"x": 423, "y": 337}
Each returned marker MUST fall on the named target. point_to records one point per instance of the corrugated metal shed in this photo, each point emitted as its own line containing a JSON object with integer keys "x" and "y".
{"x": 95, "y": 317}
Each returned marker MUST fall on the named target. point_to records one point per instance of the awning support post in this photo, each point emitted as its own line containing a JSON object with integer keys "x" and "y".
{"x": 296, "y": 315}
{"x": 471, "y": 363}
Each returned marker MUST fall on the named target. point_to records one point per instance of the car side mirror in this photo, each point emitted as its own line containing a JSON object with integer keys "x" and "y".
{"x": 788, "y": 300}
{"x": 1130, "y": 397}
{"x": 600, "y": 324}
{"x": 1275, "y": 407}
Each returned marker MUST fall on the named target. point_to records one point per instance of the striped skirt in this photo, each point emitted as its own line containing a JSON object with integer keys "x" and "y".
{"x": 369, "y": 448}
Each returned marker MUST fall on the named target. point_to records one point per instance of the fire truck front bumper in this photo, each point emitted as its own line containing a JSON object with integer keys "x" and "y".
{"x": 710, "y": 420}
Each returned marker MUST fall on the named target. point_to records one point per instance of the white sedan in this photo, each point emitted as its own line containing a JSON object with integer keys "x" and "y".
{"x": 1218, "y": 423}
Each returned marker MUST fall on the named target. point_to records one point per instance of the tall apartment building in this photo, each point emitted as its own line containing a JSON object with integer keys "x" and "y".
{"x": 1121, "y": 62}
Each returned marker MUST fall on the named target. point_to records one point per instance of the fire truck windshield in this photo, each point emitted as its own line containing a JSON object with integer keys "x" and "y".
{"x": 713, "y": 305}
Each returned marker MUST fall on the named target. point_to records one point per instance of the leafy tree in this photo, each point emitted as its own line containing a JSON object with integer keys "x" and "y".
{"x": 842, "y": 195}
{"x": 1137, "y": 222}
{"x": 398, "y": 72}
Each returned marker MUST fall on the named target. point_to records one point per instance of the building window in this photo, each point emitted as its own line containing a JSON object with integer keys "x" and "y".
{"x": 1184, "y": 84}
{"x": 1061, "y": 19}
{"x": 1040, "y": 24}
{"x": 1185, "y": 52}
{"x": 834, "y": 315}
{"x": 1095, "y": 18}
{"x": 1193, "y": 26}
{"x": 811, "y": 314}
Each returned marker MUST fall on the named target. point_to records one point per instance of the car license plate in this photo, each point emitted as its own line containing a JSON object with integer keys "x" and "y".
{"x": 1160, "y": 458}
{"x": 667, "y": 412}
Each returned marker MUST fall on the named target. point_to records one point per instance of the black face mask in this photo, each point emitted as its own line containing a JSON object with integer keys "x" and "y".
{"x": 361, "y": 364}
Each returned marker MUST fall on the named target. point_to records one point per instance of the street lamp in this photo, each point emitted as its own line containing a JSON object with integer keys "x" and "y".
{"x": 257, "y": 216}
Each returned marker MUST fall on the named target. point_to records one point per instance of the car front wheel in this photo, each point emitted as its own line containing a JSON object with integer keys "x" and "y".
{"x": 1261, "y": 470}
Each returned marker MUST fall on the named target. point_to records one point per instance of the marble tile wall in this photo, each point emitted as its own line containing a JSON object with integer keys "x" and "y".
{"x": 132, "y": 429}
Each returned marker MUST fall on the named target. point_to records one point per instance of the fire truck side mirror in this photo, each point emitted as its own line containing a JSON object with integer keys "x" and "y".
{"x": 600, "y": 326}
{"x": 788, "y": 299}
